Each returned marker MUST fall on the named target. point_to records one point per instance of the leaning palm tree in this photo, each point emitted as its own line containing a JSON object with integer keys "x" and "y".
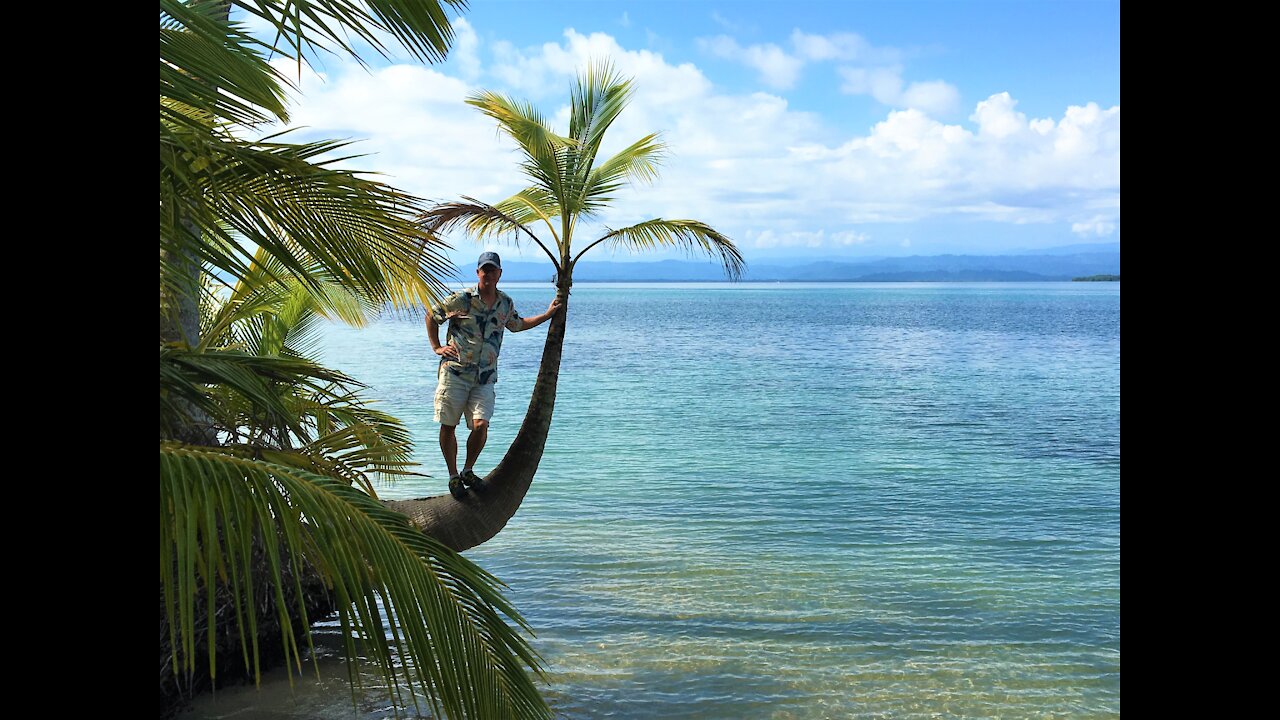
{"x": 567, "y": 185}
{"x": 265, "y": 456}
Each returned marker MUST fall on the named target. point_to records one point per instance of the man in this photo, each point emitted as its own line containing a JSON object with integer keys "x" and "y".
{"x": 469, "y": 363}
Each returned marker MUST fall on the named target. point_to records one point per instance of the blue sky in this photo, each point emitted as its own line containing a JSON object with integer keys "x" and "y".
{"x": 801, "y": 130}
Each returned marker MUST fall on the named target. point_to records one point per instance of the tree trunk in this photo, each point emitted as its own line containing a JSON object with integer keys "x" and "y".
{"x": 483, "y": 513}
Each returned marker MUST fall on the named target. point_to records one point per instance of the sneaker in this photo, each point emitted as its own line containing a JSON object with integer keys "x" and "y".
{"x": 469, "y": 478}
{"x": 456, "y": 488}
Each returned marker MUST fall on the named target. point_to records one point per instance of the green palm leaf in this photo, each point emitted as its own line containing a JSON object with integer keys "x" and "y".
{"x": 260, "y": 317}
{"x": 208, "y": 380}
{"x": 597, "y": 99}
{"x": 690, "y": 235}
{"x": 545, "y": 153}
{"x": 488, "y": 221}
{"x": 422, "y": 28}
{"x": 212, "y": 65}
{"x": 636, "y": 163}
{"x": 237, "y": 192}
{"x": 447, "y": 616}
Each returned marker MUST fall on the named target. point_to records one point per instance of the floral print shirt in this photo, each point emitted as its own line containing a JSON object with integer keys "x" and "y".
{"x": 476, "y": 330}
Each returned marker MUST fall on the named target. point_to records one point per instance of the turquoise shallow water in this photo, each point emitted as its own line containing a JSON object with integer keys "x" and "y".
{"x": 806, "y": 501}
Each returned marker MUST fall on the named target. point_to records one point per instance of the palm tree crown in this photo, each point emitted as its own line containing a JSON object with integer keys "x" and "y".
{"x": 569, "y": 185}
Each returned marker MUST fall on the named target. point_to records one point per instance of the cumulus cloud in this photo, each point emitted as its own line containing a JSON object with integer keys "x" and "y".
{"x": 751, "y": 165}
{"x": 935, "y": 97}
{"x": 547, "y": 71}
{"x": 841, "y": 46}
{"x": 878, "y": 71}
{"x": 996, "y": 118}
{"x": 885, "y": 84}
{"x": 777, "y": 69}
{"x": 464, "y": 50}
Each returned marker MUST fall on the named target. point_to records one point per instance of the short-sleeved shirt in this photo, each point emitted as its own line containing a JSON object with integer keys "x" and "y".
{"x": 476, "y": 330}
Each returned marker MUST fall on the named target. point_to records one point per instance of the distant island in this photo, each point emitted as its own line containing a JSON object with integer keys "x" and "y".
{"x": 1097, "y": 278}
{"x": 1097, "y": 262}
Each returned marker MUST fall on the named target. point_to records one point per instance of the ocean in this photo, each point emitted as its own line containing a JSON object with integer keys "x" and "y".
{"x": 794, "y": 500}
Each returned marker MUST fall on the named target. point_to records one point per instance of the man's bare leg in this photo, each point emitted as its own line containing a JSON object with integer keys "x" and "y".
{"x": 449, "y": 447}
{"x": 475, "y": 442}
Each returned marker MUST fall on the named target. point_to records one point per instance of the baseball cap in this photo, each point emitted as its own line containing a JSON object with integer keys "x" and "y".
{"x": 489, "y": 258}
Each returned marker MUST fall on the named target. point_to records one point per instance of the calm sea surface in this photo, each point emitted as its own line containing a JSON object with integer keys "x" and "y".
{"x": 796, "y": 501}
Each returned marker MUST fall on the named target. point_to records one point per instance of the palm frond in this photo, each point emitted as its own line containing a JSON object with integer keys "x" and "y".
{"x": 357, "y": 437}
{"x": 600, "y": 94}
{"x": 208, "y": 380}
{"x": 636, "y": 163}
{"x": 236, "y": 192}
{"x": 353, "y": 442}
{"x": 450, "y": 634}
{"x": 544, "y": 151}
{"x": 212, "y": 65}
{"x": 422, "y": 28}
{"x": 531, "y": 205}
{"x": 598, "y": 98}
{"x": 287, "y": 313}
{"x": 480, "y": 220}
{"x": 693, "y": 236}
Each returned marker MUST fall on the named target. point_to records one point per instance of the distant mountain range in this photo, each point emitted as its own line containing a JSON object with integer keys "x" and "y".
{"x": 1050, "y": 264}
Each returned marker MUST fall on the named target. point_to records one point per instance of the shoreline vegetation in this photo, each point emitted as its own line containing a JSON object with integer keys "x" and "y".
{"x": 1097, "y": 278}
{"x": 268, "y": 514}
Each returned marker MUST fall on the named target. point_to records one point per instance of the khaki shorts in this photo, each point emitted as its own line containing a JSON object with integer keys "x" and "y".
{"x": 457, "y": 397}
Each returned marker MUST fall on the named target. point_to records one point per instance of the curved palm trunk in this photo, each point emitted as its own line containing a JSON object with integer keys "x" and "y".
{"x": 466, "y": 524}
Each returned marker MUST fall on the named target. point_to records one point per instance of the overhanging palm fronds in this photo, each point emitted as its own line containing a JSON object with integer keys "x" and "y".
{"x": 446, "y": 615}
{"x": 212, "y": 65}
{"x": 284, "y": 199}
{"x": 488, "y": 221}
{"x": 295, "y": 238}
{"x": 422, "y": 28}
{"x": 257, "y": 315}
{"x": 208, "y": 380}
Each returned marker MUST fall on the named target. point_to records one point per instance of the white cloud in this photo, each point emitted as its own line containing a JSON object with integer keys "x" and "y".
{"x": 878, "y": 73}
{"x": 850, "y": 237}
{"x": 625, "y": 20}
{"x": 410, "y": 122}
{"x": 548, "y": 70}
{"x": 464, "y": 48}
{"x": 777, "y": 69}
{"x": 885, "y": 84}
{"x": 934, "y": 97}
{"x": 996, "y": 118}
{"x": 1097, "y": 226}
{"x": 749, "y": 164}
{"x": 841, "y": 46}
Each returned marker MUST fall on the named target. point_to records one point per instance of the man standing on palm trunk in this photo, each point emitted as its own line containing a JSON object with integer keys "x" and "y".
{"x": 469, "y": 363}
